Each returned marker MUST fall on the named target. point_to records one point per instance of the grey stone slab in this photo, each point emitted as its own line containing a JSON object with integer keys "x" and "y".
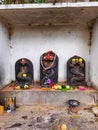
{"x": 25, "y": 97}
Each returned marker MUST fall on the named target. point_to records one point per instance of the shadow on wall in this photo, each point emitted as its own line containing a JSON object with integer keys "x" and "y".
{"x": 1, "y": 76}
{"x": 0, "y": 81}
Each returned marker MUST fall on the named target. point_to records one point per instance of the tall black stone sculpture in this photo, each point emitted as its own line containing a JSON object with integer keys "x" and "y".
{"x": 24, "y": 72}
{"x": 48, "y": 69}
{"x": 76, "y": 71}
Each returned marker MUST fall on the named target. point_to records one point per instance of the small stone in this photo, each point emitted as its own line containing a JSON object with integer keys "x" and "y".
{"x": 95, "y": 110}
{"x": 24, "y": 117}
{"x": 53, "y": 118}
{"x": 39, "y": 119}
{"x": 30, "y": 125}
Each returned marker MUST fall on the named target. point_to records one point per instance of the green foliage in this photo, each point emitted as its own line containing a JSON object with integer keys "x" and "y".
{"x": 8, "y": 2}
{"x": 93, "y": 0}
{"x": 39, "y": 1}
{"x": 23, "y": 1}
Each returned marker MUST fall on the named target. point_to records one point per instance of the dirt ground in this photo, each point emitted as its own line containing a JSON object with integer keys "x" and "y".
{"x": 48, "y": 118}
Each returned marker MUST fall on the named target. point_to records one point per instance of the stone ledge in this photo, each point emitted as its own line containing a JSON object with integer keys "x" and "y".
{"x": 47, "y": 13}
{"x": 52, "y": 97}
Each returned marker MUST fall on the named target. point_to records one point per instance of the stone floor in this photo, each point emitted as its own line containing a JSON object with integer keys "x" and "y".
{"x": 49, "y": 118}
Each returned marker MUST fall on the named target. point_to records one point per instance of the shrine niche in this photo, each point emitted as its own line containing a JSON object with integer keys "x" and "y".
{"x": 24, "y": 72}
{"x": 76, "y": 71}
{"x": 48, "y": 69}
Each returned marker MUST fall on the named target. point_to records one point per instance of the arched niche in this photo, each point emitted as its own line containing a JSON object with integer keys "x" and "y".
{"x": 76, "y": 71}
{"x": 48, "y": 69}
{"x": 24, "y": 72}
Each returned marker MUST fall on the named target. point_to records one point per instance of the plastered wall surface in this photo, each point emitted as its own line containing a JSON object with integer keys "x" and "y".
{"x": 32, "y": 41}
{"x": 5, "y": 75}
{"x": 94, "y": 56}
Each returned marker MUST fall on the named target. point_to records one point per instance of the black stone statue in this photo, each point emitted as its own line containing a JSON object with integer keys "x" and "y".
{"x": 76, "y": 71}
{"x": 24, "y": 72}
{"x": 48, "y": 69}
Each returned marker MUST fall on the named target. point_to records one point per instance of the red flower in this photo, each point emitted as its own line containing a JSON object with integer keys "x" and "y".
{"x": 52, "y": 85}
{"x": 48, "y": 57}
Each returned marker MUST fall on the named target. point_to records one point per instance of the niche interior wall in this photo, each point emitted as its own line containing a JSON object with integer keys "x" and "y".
{"x": 32, "y": 41}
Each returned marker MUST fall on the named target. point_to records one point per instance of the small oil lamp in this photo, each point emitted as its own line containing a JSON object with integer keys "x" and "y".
{"x": 73, "y": 105}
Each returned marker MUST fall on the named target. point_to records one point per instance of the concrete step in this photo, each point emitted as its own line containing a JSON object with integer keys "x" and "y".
{"x": 37, "y": 96}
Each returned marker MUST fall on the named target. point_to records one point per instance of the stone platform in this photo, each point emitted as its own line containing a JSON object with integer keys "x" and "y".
{"x": 37, "y": 96}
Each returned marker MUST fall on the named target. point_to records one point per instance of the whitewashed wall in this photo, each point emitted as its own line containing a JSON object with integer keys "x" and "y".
{"x": 5, "y": 75}
{"x": 94, "y": 56}
{"x": 31, "y": 42}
